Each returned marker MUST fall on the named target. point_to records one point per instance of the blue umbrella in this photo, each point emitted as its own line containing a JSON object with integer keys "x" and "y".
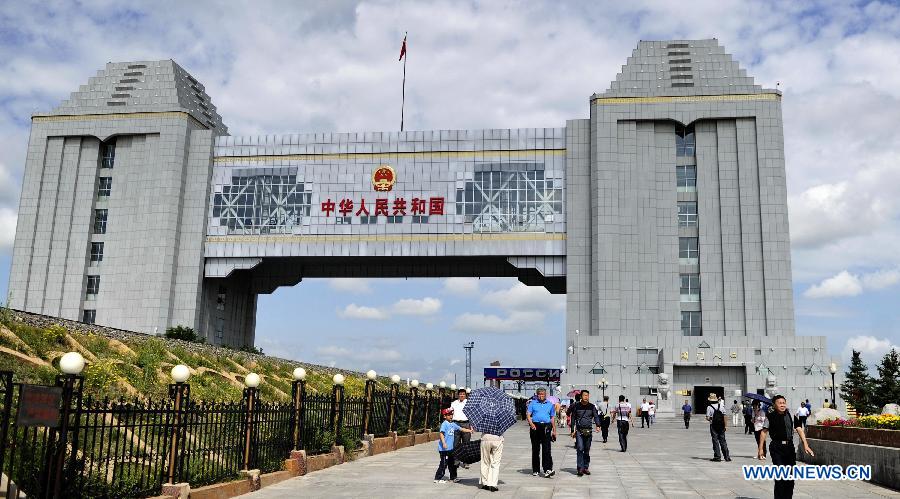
{"x": 490, "y": 410}
{"x": 756, "y": 396}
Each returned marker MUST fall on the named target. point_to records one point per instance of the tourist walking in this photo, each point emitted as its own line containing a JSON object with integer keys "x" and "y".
{"x": 584, "y": 419}
{"x": 540, "y": 415}
{"x": 491, "y": 452}
{"x": 803, "y": 414}
{"x": 445, "y": 447}
{"x": 652, "y": 412}
{"x": 645, "y": 413}
{"x": 759, "y": 419}
{"x": 715, "y": 414}
{"x": 748, "y": 419}
{"x": 459, "y": 417}
{"x": 686, "y": 409}
{"x": 781, "y": 427}
{"x": 603, "y": 411}
{"x": 623, "y": 421}
{"x": 736, "y": 414}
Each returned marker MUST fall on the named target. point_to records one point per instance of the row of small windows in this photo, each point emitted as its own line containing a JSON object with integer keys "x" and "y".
{"x": 373, "y": 220}
{"x": 104, "y": 189}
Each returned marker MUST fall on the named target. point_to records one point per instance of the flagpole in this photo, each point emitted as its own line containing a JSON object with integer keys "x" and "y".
{"x": 403, "y": 98}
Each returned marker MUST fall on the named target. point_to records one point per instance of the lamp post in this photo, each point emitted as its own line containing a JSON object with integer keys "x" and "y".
{"x": 833, "y": 368}
{"x": 251, "y": 381}
{"x": 369, "y": 396}
{"x": 179, "y": 392}
{"x": 71, "y": 382}
{"x": 603, "y": 384}
{"x": 298, "y": 394}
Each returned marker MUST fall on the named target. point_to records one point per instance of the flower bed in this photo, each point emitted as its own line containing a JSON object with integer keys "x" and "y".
{"x": 854, "y": 434}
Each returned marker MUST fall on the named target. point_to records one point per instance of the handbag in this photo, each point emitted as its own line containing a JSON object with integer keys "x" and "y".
{"x": 468, "y": 452}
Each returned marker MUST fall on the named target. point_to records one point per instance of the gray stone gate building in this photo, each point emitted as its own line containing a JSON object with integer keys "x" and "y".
{"x": 662, "y": 216}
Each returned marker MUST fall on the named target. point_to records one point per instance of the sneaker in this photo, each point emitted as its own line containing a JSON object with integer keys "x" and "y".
{"x": 440, "y": 481}
{"x": 549, "y": 473}
{"x": 535, "y": 474}
{"x": 454, "y": 480}
{"x": 585, "y": 471}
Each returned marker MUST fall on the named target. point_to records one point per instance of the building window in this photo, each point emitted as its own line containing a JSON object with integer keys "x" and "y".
{"x": 509, "y": 197}
{"x": 687, "y": 213}
{"x": 687, "y": 178}
{"x": 107, "y": 154}
{"x": 690, "y": 324}
{"x": 688, "y": 250}
{"x": 100, "y": 221}
{"x": 262, "y": 204}
{"x": 96, "y": 252}
{"x": 685, "y": 144}
{"x": 417, "y": 219}
{"x": 89, "y": 316}
{"x": 93, "y": 286}
{"x": 395, "y": 220}
{"x": 368, "y": 219}
{"x": 690, "y": 287}
{"x": 343, "y": 220}
{"x": 105, "y": 187}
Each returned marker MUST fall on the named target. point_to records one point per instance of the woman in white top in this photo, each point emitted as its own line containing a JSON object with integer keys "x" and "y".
{"x": 759, "y": 418}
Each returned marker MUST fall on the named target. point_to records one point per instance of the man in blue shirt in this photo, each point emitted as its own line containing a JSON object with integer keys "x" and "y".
{"x": 540, "y": 415}
{"x": 687, "y": 409}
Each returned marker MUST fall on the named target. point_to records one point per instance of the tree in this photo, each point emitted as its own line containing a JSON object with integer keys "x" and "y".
{"x": 887, "y": 386}
{"x": 183, "y": 333}
{"x": 858, "y": 387}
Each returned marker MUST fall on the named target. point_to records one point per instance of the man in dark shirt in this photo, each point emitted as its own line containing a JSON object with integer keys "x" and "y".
{"x": 584, "y": 419}
{"x": 782, "y": 426}
{"x": 687, "y": 410}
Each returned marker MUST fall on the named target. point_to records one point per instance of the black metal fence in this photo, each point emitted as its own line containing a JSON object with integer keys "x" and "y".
{"x": 57, "y": 444}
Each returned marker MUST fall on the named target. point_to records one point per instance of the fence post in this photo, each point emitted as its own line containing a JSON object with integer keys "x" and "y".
{"x": 337, "y": 406}
{"x": 413, "y": 398}
{"x": 180, "y": 393}
{"x": 427, "y": 403}
{"x": 71, "y": 383}
{"x": 298, "y": 395}
{"x": 251, "y": 392}
{"x": 392, "y": 410}
{"x": 6, "y": 391}
{"x": 369, "y": 401}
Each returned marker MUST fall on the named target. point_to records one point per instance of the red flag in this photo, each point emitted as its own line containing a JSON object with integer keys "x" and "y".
{"x": 402, "y": 49}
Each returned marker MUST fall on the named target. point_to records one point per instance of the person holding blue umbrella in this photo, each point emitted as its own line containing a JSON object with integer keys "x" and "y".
{"x": 491, "y": 411}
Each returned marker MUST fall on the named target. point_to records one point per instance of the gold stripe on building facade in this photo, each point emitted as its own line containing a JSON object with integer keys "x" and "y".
{"x": 116, "y": 116}
{"x": 685, "y": 99}
{"x": 384, "y": 238}
{"x": 379, "y": 156}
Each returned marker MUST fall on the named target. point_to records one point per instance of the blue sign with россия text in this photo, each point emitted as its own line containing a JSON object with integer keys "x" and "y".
{"x": 522, "y": 373}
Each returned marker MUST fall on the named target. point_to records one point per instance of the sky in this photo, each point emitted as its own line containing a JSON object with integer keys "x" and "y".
{"x": 285, "y": 67}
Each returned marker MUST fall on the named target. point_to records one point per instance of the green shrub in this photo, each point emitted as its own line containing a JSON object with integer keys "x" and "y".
{"x": 350, "y": 440}
{"x": 100, "y": 376}
{"x": 184, "y": 333}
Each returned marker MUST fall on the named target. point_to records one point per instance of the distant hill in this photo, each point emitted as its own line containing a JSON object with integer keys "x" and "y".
{"x": 125, "y": 364}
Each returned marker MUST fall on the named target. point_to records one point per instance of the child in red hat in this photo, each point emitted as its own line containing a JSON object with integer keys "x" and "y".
{"x": 445, "y": 447}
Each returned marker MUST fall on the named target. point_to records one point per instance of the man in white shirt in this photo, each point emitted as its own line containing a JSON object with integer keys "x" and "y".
{"x": 459, "y": 417}
{"x": 623, "y": 416}
{"x": 803, "y": 414}
{"x": 645, "y": 413}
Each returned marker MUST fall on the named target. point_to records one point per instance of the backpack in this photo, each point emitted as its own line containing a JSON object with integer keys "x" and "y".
{"x": 718, "y": 419}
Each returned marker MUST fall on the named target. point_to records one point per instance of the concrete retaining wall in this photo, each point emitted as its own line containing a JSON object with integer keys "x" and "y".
{"x": 885, "y": 461}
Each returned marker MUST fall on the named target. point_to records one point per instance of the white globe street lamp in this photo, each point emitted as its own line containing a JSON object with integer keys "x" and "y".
{"x": 442, "y": 384}
{"x": 429, "y": 386}
{"x": 338, "y": 379}
{"x": 395, "y": 378}
{"x": 71, "y": 363}
{"x": 371, "y": 375}
{"x": 180, "y": 373}
{"x": 415, "y": 383}
{"x": 299, "y": 374}
{"x": 252, "y": 380}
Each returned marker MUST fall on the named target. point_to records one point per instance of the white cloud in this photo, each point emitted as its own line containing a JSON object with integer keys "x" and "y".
{"x": 351, "y": 285}
{"x": 357, "y": 355}
{"x": 455, "y": 361}
{"x": 410, "y": 306}
{"x": 871, "y": 349}
{"x": 7, "y": 228}
{"x": 515, "y": 323}
{"x": 461, "y": 285}
{"x": 843, "y": 284}
{"x": 354, "y": 311}
{"x": 525, "y": 298}
{"x": 847, "y": 284}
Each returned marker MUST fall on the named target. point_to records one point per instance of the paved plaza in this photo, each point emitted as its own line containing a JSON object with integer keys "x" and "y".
{"x": 664, "y": 461}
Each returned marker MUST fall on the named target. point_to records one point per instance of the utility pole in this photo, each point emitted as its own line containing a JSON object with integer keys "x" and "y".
{"x": 469, "y": 346}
